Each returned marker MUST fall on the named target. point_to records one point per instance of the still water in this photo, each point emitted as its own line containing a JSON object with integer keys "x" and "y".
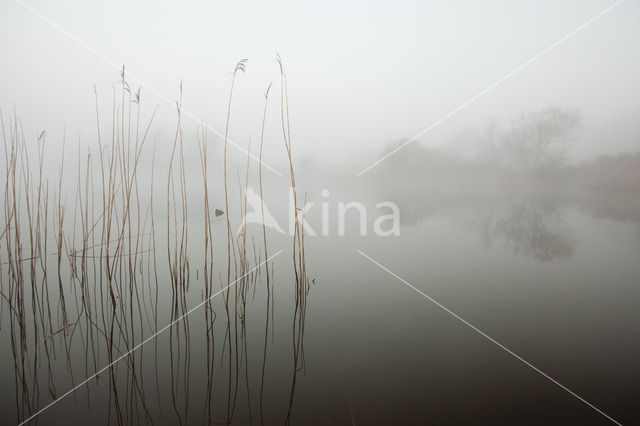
{"x": 553, "y": 278}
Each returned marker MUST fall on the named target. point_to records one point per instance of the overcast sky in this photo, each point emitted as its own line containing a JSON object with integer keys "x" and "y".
{"x": 361, "y": 74}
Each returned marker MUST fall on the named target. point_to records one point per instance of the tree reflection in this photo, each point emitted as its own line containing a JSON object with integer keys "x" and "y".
{"x": 532, "y": 230}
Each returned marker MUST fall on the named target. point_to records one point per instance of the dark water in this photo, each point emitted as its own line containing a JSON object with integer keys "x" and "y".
{"x": 553, "y": 278}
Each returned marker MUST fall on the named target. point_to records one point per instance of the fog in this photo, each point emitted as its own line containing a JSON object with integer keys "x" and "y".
{"x": 320, "y": 213}
{"x": 360, "y": 75}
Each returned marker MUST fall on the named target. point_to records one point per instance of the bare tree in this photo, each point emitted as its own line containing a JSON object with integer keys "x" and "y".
{"x": 540, "y": 138}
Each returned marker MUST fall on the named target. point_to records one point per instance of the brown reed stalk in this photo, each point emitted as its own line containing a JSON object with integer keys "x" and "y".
{"x": 286, "y": 131}
{"x": 240, "y": 67}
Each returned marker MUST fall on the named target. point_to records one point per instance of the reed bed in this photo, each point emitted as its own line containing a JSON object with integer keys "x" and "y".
{"x": 98, "y": 238}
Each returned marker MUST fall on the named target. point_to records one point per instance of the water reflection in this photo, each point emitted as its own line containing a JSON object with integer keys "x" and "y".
{"x": 531, "y": 230}
{"x": 528, "y": 219}
{"x": 209, "y": 368}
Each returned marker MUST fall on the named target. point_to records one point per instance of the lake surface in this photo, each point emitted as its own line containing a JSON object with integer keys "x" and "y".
{"x": 555, "y": 278}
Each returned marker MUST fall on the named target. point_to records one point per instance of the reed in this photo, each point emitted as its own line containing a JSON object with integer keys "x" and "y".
{"x": 96, "y": 228}
{"x": 240, "y": 67}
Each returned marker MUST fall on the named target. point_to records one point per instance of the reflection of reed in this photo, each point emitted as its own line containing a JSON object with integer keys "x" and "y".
{"x": 106, "y": 297}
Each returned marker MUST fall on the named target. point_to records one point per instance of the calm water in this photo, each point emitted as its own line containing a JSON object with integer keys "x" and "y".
{"x": 554, "y": 278}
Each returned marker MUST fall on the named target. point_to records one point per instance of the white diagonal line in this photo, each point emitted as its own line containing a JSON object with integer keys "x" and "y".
{"x": 138, "y": 80}
{"x": 482, "y": 333}
{"x": 166, "y": 327}
{"x": 491, "y": 86}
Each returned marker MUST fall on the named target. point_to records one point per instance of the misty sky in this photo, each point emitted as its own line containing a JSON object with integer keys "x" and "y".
{"x": 361, "y": 74}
